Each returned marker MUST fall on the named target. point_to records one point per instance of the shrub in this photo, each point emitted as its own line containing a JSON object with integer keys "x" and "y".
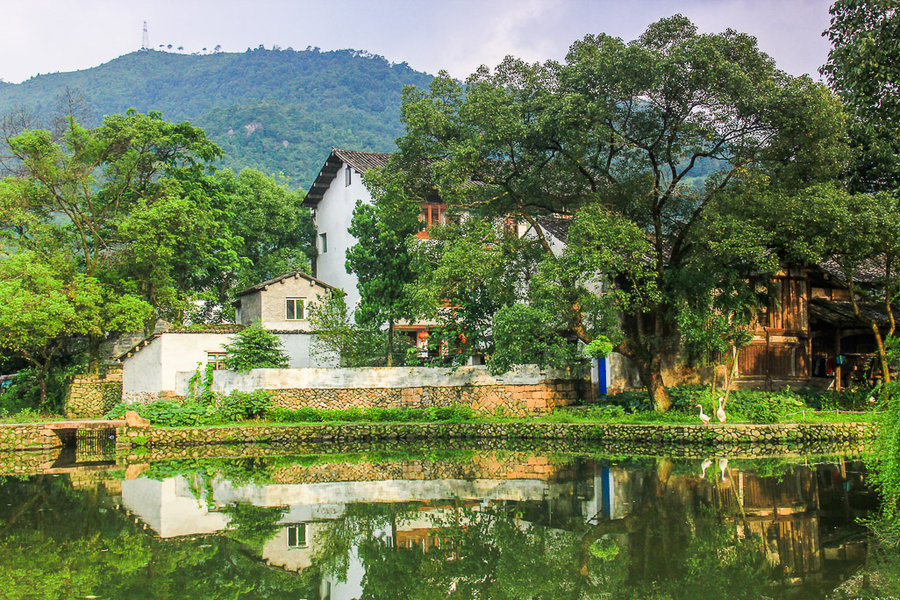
{"x": 255, "y": 348}
{"x": 238, "y": 406}
{"x": 171, "y": 413}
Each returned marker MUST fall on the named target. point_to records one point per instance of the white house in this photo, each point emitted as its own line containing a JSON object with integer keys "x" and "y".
{"x": 281, "y": 305}
{"x": 332, "y": 198}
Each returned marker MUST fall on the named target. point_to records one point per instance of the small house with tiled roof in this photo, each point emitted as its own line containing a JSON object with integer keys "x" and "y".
{"x": 158, "y": 365}
{"x": 281, "y": 303}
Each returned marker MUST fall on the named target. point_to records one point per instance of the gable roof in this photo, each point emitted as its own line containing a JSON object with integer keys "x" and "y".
{"x": 360, "y": 161}
{"x": 220, "y": 328}
{"x": 262, "y": 286}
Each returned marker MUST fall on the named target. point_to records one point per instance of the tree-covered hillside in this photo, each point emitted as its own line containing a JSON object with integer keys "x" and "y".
{"x": 279, "y": 111}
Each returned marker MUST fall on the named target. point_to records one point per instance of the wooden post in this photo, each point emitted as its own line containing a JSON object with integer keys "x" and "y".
{"x": 837, "y": 366}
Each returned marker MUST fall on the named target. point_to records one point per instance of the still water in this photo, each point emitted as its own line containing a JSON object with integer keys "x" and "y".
{"x": 482, "y": 524}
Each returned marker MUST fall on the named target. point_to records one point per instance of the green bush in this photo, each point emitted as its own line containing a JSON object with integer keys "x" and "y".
{"x": 239, "y": 406}
{"x": 255, "y": 348}
{"x": 171, "y": 413}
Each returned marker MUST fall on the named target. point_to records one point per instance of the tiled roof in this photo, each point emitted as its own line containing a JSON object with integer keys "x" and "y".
{"x": 558, "y": 228}
{"x": 261, "y": 286}
{"x": 221, "y": 328}
{"x": 360, "y": 161}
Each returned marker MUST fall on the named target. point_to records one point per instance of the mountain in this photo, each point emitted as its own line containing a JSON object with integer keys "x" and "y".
{"x": 279, "y": 111}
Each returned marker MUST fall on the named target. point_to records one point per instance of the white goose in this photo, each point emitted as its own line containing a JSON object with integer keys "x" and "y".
{"x": 703, "y": 417}
{"x": 720, "y": 414}
{"x": 723, "y": 466}
{"x": 704, "y": 466}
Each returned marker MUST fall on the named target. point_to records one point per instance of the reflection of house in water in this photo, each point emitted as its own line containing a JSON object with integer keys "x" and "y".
{"x": 174, "y": 507}
{"x": 799, "y": 516}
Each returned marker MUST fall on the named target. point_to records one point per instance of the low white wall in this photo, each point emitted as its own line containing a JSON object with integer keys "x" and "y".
{"x": 368, "y": 377}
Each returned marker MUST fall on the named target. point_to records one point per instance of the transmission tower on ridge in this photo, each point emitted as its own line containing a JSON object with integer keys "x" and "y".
{"x": 145, "y": 38}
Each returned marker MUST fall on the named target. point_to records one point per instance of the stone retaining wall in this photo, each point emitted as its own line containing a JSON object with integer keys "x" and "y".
{"x": 502, "y": 400}
{"x": 92, "y": 396}
{"x": 28, "y": 436}
{"x": 801, "y": 437}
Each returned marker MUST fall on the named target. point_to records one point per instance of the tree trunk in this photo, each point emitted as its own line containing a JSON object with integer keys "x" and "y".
{"x": 882, "y": 354}
{"x": 42, "y": 384}
{"x": 651, "y": 375}
{"x": 879, "y": 342}
{"x": 94, "y": 342}
{"x": 390, "y": 348}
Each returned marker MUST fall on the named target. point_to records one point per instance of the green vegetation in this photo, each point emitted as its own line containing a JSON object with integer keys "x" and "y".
{"x": 662, "y": 191}
{"x": 255, "y": 348}
{"x": 276, "y": 111}
{"x": 383, "y": 258}
{"x": 629, "y": 407}
{"x": 107, "y": 228}
{"x": 242, "y": 406}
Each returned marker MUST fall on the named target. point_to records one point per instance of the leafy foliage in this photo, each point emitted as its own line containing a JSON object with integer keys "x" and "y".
{"x": 520, "y": 333}
{"x": 337, "y": 335}
{"x": 863, "y": 68}
{"x": 649, "y": 147}
{"x": 255, "y": 348}
{"x": 382, "y": 258}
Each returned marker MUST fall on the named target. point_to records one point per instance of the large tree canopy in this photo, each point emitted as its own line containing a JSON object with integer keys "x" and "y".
{"x": 661, "y": 137}
{"x": 134, "y": 224}
{"x": 863, "y": 68}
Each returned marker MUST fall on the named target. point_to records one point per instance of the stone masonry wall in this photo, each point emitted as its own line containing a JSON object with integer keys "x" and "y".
{"x": 91, "y": 397}
{"x": 28, "y": 436}
{"x": 799, "y": 437}
{"x": 508, "y": 400}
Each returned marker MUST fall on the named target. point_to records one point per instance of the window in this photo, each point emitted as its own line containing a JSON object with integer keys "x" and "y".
{"x": 323, "y": 243}
{"x": 296, "y": 536}
{"x": 217, "y": 359}
{"x": 293, "y": 309}
{"x": 348, "y": 175}
{"x": 432, "y": 214}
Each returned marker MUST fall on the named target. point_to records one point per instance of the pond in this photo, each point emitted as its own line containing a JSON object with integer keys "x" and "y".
{"x": 422, "y": 524}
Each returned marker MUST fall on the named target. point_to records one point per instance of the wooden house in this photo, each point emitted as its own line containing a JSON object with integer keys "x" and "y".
{"x": 809, "y": 332}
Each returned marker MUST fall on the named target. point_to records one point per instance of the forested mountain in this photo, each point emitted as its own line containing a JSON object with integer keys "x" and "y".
{"x": 279, "y": 111}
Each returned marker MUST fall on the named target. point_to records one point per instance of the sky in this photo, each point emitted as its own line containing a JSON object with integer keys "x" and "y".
{"x": 46, "y": 36}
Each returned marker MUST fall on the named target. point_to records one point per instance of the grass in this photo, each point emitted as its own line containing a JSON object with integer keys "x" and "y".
{"x": 27, "y": 416}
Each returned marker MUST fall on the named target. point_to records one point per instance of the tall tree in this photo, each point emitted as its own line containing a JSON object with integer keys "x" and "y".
{"x": 48, "y": 303}
{"x": 382, "y": 257}
{"x": 863, "y": 68}
{"x": 653, "y": 132}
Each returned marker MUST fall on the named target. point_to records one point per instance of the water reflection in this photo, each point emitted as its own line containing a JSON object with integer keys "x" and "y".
{"x": 464, "y": 525}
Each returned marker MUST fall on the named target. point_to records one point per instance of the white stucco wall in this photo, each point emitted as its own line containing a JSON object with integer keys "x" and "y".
{"x": 170, "y": 360}
{"x": 185, "y": 351}
{"x": 142, "y": 372}
{"x": 297, "y": 347}
{"x": 368, "y": 377}
{"x": 267, "y": 307}
{"x": 333, "y": 215}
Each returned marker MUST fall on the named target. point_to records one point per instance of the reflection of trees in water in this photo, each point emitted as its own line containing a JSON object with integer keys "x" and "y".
{"x": 61, "y": 542}
{"x": 667, "y": 548}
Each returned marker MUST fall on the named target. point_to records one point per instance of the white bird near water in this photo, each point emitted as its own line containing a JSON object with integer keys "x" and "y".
{"x": 723, "y": 466}
{"x": 704, "y": 466}
{"x": 720, "y": 414}
{"x": 703, "y": 417}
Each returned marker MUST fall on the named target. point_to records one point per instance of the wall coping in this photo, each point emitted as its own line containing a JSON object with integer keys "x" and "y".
{"x": 370, "y": 377}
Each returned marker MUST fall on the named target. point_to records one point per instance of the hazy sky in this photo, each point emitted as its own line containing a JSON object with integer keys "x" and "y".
{"x": 43, "y": 36}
